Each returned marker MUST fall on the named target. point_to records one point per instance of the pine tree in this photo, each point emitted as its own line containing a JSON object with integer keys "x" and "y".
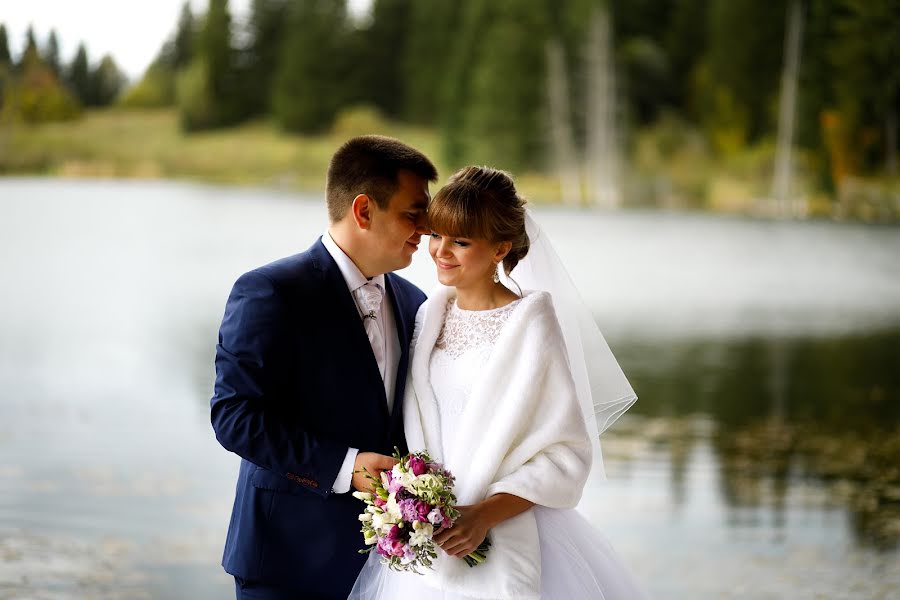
{"x": 5, "y": 57}
{"x": 865, "y": 54}
{"x": 500, "y": 70}
{"x": 216, "y": 51}
{"x": 106, "y": 82}
{"x": 30, "y": 39}
{"x": 36, "y": 92}
{"x": 79, "y": 77}
{"x": 30, "y": 53}
{"x": 207, "y": 89}
{"x": 386, "y": 43}
{"x": 183, "y": 44}
{"x": 51, "y": 53}
{"x": 5, "y": 67}
{"x": 685, "y": 45}
{"x": 640, "y": 18}
{"x": 309, "y": 85}
{"x": 746, "y": 48}
{"x": 157, "y": 85}
{"x": 267, "y": 25}
{"x": 430, "y": 36}
{"x": 816, "y": 90}
{"x": 455, "y": 92}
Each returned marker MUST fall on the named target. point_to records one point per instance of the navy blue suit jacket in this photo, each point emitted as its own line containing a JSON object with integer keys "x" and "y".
{"x": 296, "y": 385}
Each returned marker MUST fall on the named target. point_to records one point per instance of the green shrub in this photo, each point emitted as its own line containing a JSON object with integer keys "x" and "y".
{"x": 37, "y": 97}
{"x": 155, "y": 89}
{"x": 196, "y": 107}
{"x": 360, "y": 120}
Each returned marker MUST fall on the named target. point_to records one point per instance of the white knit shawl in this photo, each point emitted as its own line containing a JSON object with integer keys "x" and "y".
{"x": 522, "y": 433}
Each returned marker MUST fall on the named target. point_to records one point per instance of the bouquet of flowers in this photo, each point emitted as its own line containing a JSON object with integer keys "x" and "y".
{"x": 409, "y": 504}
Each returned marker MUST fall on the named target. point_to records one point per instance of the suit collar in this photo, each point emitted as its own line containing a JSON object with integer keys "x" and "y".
{"x": 399, "y": 302}
{"x": 351, "y": 273}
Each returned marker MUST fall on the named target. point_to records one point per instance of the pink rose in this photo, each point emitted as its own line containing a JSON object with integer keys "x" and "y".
{"x": 417, "y": 466}
{"x": 414, "y": 510}
{"x": 422, "y": 510}
{"x": 391, "y": 544}
{"x": 394, "y": 533}
{"x": 383, "y": 548}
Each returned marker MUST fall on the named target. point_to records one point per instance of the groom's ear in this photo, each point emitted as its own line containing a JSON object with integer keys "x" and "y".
{"x": 361, "y": 210}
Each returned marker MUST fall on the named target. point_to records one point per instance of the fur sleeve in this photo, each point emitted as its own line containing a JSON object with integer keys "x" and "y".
{"x": 549, "y": 459}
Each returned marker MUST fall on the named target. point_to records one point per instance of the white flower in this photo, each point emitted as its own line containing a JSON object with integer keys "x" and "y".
{"x": 421, "y": 534}
{"x": 364, "y": 496}
{"x": 393, "y": 509}
{"x": 435, "y": 517}
{"x": 365, "y": 517}
{"x": 370, "y": 537}
{"x": 383, "y": 520}
{"x": 406, "y": 479}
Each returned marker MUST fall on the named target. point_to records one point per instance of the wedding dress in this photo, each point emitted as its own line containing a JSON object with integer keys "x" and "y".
{"x": 571, "y": 560}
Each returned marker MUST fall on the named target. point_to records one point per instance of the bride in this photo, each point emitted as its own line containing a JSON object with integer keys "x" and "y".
{"x": 500, "y": 393}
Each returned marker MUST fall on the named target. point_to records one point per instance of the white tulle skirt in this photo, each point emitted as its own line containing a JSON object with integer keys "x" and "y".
{"x": 577, "y": 563}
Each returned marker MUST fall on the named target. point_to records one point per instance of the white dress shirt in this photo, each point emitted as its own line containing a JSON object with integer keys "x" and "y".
{"x": 355, "y": 279}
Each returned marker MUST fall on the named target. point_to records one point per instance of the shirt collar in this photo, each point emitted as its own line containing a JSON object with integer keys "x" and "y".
{"x": 351, "y": 273}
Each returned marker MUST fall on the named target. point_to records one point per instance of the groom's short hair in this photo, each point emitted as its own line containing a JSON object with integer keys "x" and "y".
{"x": 370, "y": 164}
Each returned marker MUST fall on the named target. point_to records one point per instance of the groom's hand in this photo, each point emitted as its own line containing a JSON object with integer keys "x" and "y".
{"x": 373, "y": 464}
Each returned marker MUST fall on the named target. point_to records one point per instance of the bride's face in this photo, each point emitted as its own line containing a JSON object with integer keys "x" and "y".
{"x": 464, "y": 262}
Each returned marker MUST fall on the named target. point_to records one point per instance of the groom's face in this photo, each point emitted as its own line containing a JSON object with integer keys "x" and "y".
{"x": 399, "y": 228}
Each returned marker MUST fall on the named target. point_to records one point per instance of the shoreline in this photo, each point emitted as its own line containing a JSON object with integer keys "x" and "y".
{"x": 148, "y": 144}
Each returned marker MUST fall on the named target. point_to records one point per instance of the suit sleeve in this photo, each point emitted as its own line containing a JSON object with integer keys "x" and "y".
{"x": 241, "y": 408}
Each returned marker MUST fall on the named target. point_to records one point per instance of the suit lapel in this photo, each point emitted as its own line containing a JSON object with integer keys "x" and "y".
{"x": 348, "y": 326}
{"x": 403, "y": 325}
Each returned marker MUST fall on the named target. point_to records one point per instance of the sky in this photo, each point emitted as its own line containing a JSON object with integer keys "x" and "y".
{"x": 132, "y": 31}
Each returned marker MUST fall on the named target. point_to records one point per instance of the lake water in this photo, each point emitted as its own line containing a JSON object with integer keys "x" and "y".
{"x": 762, "y": 459}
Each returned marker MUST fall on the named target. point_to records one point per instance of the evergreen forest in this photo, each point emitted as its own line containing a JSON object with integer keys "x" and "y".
{"x": 670, "y": 102}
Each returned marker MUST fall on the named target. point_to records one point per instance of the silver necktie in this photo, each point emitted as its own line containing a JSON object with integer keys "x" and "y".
{"x": 370, "y": 296}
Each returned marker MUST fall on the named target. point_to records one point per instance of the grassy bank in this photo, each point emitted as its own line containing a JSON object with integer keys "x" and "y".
{"x": 150, "y": 144}
{"x": 670, "y": 166}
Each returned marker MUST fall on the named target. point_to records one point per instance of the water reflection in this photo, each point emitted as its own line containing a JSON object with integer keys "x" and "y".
{"x": 766, "y": 461}
{"x": 786, "y": 411}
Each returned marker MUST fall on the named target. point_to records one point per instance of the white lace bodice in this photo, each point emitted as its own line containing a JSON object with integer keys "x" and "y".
{"x": 462, "y": 349}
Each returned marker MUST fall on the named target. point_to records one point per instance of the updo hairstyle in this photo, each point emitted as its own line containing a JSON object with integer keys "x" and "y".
{"x": 482, "y": 203}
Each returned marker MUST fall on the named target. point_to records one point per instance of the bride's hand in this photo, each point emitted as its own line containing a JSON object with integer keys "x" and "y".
{"x": 467, "y": 532}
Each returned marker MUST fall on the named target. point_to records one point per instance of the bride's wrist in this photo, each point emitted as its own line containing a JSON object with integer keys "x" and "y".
{"x": 489, "y": 512}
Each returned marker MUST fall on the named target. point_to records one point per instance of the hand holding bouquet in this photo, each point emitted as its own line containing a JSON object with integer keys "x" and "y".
{"x": 409, "y": 503}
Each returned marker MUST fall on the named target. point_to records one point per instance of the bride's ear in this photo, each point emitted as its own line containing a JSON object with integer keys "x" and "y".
{"x": 362, "y": 211}
{"x": 502, "y": 250}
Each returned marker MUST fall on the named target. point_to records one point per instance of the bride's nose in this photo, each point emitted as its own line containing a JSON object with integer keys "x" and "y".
{"x": 443, "y": 249}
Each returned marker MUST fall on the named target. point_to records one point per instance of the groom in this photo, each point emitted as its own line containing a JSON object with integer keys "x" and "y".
{"x": 310, "y": 371}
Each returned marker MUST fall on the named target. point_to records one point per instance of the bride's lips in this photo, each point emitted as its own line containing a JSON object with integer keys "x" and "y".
{"x": 445, "y": 266}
